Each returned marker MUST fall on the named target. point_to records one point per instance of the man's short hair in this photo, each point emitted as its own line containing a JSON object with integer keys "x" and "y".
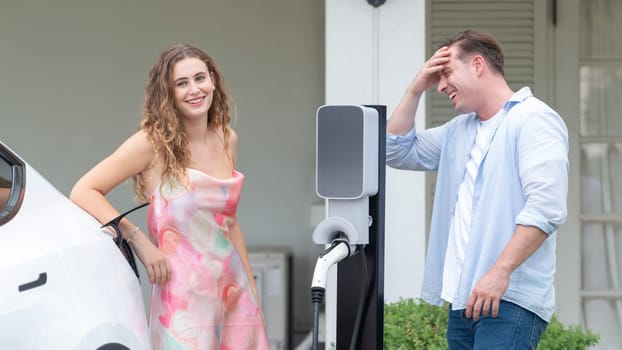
{"x": 471, "y": 42}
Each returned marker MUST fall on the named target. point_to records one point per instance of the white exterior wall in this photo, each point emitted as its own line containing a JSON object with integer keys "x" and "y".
{"x": 371, "y": 56}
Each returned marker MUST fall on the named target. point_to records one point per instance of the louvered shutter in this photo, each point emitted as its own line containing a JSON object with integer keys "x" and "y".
{"x": 511, "y": 21}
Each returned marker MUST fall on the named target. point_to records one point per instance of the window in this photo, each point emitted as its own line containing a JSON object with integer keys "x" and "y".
{"x": 11, "y": 184}
{"x": 600, "y": 139}
{"x": 5, "y": 183}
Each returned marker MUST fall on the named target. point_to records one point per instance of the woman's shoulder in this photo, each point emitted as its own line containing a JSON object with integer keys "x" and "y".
{"x": 233, "y": 136}
{"x": 138, "y": 141}
{"x": 138, "y": 147}
{"x": 141, "y": 150}
{"x": 232, "y": 142}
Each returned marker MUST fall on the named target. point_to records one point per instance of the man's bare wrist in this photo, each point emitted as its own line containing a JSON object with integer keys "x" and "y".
{"x": 412, "y": 92}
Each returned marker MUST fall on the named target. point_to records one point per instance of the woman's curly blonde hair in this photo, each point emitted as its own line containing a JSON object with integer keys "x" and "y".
{"x": 162, "y": 121}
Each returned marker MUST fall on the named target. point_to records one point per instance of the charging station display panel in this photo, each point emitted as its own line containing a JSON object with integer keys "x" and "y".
{"x": 340, "y": 152}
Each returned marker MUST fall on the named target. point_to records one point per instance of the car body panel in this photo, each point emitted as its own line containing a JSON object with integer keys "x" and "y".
{"x": 64, "y": 284}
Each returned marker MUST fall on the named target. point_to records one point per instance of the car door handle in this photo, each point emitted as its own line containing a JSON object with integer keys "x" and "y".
{"x": 43, "y": 278}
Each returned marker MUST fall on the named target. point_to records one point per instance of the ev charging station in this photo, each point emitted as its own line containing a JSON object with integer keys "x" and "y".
{"x": 350, "y": 176}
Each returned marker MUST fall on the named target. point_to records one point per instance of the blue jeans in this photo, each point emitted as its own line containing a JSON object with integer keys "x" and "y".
{"x": 513, "y": 328}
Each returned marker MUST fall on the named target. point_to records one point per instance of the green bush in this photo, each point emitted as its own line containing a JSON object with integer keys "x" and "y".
{"x": 410, "y": 324}
{"x": 572, "y": 338}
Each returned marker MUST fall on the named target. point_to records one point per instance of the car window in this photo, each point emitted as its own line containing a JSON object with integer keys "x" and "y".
{"x": 5, "y": 182}
{"x": 12, "y": 182}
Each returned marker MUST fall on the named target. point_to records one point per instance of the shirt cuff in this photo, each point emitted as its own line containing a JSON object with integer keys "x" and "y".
{"x": 402, "y": 139}
{"x": 539, "y": 221}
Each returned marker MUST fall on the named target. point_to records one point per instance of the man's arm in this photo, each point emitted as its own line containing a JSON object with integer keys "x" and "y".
{"x": 543, "y": 159}
{"x": 488, "y": 291}
{"x": 403, "y": 118}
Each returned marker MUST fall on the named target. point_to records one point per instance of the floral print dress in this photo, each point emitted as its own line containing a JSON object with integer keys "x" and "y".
{"x": 208, "y": 302}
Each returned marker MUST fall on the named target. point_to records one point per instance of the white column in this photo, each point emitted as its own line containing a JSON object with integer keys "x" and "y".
{"x": 371, "y": 55}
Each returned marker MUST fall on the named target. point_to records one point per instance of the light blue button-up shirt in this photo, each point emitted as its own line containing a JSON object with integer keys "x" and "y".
{"x": 523, "y": 179}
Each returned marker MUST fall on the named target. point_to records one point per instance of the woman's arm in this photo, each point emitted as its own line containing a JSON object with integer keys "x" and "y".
{"x": 131, "y": 158}
{"x": 235, "y": 233}
{"x": 240, "y": 245}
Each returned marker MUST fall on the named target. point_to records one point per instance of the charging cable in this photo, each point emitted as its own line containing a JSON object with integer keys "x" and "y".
{"x": 339, "y": 250}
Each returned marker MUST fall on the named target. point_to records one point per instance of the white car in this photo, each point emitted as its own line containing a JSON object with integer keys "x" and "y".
{"x": 64, "y": 282}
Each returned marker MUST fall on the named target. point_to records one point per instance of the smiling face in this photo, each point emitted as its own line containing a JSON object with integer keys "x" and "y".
{"x": 458, "y": 81}
{"x": 193, "y": 87}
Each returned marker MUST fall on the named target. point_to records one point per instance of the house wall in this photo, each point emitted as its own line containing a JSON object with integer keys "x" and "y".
{"x": 371, "y": 56}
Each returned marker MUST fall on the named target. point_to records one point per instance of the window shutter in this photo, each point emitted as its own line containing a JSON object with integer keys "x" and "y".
{"x": 513, "y": 24}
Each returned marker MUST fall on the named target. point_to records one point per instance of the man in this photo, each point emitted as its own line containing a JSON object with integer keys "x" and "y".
{"x": 500, "y": 196}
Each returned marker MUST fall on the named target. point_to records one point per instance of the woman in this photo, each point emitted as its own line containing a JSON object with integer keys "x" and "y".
{"x": 183, "y": 160}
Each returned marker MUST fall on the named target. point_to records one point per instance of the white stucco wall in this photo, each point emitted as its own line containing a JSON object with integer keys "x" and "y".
{"x": 371, "y": 56}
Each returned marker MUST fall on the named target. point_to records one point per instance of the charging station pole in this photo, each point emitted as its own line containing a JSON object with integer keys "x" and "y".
{"x": 350, "y": 272}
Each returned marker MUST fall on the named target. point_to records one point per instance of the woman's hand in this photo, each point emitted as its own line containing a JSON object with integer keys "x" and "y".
{"x": 153, "y": 259}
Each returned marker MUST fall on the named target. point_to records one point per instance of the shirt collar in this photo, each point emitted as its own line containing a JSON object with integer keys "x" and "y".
{"x": 519, "y": 96}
